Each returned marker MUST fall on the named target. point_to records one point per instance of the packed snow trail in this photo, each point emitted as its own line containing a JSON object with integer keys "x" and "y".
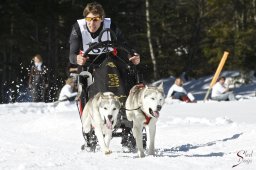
{"x": 189, "y": 136}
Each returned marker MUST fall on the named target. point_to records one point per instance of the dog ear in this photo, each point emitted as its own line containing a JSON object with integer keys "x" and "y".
{"x": 99, "y": 97}
{"x": 116, "y": 98}
{"x": 118, "y": 101}
{"x": 142, "y": 95}
{"x": 160, "y": 87}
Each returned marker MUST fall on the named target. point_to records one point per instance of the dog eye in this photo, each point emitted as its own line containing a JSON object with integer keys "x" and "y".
{"x": 114, "y": 108}
{"x": 105, "y": 108}
{"x": 153, "y": 98}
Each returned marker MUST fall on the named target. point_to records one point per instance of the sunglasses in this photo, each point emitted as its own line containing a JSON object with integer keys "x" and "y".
{"x": 92, "y": 19}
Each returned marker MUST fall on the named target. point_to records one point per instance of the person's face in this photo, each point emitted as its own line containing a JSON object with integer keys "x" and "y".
{"x": 36, "y": 60}
{"x": 222, "y": 81}
{"x": 179, "y": 82}
{"x": 93, "y": 22}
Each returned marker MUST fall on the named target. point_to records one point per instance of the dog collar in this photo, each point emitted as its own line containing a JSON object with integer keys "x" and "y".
{"x": 147, "y": 119}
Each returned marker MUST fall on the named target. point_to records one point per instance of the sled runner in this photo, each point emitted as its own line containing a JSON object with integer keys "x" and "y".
{"x": 115, "y": 74}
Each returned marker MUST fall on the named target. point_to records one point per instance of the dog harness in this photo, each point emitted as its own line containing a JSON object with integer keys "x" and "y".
{"x": 139, "y": 87}
{"x": 147, "y": 119}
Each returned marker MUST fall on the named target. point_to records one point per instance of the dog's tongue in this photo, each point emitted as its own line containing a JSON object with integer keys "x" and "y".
{"x": 109, "y": 124}
{"x": 156, "y": 114}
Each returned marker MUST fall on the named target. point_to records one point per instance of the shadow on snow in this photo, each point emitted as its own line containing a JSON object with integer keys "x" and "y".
{"x": 187, "y": 147}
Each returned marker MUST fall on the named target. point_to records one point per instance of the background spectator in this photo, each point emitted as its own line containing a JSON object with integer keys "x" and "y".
{"x": 220, "y": 92}
{"x": 178, "y": 92}
{"x": 66, "y": 92}
{"x": 38, "y": 80}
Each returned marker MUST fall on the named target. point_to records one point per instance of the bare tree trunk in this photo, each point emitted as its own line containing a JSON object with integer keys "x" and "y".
{"x": 254, "y": 8}
{"x": 159, "y": 47}
{"x": 149, "y": 40}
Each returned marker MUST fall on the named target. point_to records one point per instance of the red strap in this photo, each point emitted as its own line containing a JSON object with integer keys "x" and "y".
{"x": 80, "y": 107}
{"x": 185, "y": 99}
{"x": 140, "y": 86}
{"x": 147, "y": 119}
{"x": 114, "y": 52}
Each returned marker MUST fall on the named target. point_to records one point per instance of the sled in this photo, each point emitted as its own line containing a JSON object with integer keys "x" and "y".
{"x": 86, "y": 79}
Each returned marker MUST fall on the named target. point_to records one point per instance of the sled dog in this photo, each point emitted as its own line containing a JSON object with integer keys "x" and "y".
{"x": 142, "y": 107}
{"x": 100, "y": 113}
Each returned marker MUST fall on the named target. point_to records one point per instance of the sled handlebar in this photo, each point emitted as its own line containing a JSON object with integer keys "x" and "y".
{"x": 106, "y": 45}
{"x": 109, "y": 33}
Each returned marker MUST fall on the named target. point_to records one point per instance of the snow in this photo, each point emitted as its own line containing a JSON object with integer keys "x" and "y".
{"x": 202, "y": 135}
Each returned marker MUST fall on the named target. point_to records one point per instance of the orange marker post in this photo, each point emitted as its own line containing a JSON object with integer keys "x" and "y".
{"x": 217, "y": 73}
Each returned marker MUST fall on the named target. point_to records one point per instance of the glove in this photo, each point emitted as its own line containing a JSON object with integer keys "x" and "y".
{"x": 135, "y": 59}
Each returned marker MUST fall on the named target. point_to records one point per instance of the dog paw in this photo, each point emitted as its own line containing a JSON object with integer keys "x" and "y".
{"x": 107, "y": 152}
{"x": 151, "y": 152}
{"x": 141, "y": 154}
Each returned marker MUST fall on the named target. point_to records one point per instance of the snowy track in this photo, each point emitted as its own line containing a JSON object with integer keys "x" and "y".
{"x": 189, "y": 136}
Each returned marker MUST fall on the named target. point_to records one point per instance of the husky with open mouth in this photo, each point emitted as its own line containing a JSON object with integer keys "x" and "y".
{"x": 142, "y": 107}
{"x": 100, "y": 113}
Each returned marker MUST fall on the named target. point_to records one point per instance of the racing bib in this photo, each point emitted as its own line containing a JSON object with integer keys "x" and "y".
{"x": 89, "y": 41}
